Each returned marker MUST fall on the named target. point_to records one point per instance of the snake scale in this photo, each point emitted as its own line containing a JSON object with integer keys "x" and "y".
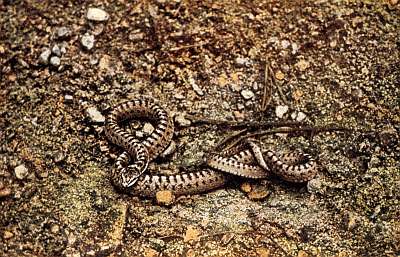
{"x": 130, "y": 174}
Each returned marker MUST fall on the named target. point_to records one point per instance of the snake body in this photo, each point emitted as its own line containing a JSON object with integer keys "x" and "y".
{"x": 129, "y": 174}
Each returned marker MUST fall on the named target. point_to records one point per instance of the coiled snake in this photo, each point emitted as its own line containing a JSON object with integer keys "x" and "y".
{"x": 130, "y": 172}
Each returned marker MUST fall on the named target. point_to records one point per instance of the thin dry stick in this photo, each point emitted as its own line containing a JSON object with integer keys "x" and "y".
{"x": 247, "y": 124}
{"x": 267, "y": 95}
{"x": 313, "y": 130}
{"x": 187, "y": 46}
{"x": 278, "y": 87}
{"x": 227, "y": 139}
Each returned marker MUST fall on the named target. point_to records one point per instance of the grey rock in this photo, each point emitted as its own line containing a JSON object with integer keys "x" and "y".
{"x": 44, "y": 56}
{"x": 97, "y": 14}
{"x": 21, "y": 171}
{"x": 62, "y": 32}
{"x": 241, "y": 62}
{"x": 95, "y": 115}
{"x": 56, "y": 50}
{"x": 247, "y": 94}
{"x": 55, "y": 61}
{"x": 87, "y": 41}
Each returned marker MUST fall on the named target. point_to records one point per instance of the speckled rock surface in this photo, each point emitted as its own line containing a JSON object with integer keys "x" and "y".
{"x": 335, "y": 62}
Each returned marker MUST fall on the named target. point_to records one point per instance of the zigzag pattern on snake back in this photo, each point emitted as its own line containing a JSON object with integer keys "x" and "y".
{"x": 129, "y": 174}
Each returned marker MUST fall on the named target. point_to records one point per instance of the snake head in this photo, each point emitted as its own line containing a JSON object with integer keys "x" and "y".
{"x": 130, "y": 176}
{"x": 126, "y": 176}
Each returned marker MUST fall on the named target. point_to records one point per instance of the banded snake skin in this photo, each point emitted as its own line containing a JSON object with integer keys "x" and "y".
{"x": 130, "y": 173}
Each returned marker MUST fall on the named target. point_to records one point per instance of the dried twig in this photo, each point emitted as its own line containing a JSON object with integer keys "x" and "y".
{"x": 247, "y": 124}
{"x": 312, "y": 130}
{"x": 278, "y": 87}
{"x": 267, "y": 95}
{"x": 174, "y": 49}
{"x": 227, "y": 139}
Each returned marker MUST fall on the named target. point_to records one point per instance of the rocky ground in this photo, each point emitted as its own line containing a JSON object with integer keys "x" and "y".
{"x": 63, "y": 66}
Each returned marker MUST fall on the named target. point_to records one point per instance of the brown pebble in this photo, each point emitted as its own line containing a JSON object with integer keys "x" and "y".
{"x": 263, "y": 252}
{"x": 302, "y": 254}
{"x": 5, "y": 192}
{"x": 190, "y": 253}
{"x": 352, "y": 221}
{"x": 7, "y": 234}
{"x": 150, "y": 252}
{"x": 258, "y": 195}
{"x": 245, "y": 187}
{"x": 55, "y": 229}
{"x": 164, "y": 197}
{"x": 191, "y": 234}
{"x": 279, "y": 75}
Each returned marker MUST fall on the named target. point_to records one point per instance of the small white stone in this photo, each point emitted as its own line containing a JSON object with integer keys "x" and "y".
{"x": 62, "y": 32}
{"x": 87, "y": 41}
{"x": 240, "y": 61}
{"x": 139, "y": 134}
{"x": 96, "y": 14}
{"x": 247, "y": 94}
{"x": 240, "y": 107}
{"x": 182, "y": 121}
{"x": 68, "y": 98}
{"x": 301, "y": 116}
{"x": 285, "y": 44}
{"x": 55, "y": 61}
{"x": 95, "y": 115}
{"x": 196, "y": 87}
{"x": 281, "y": 110}
{"x": 148, "y": 128}
{"x": 21, "y": 171}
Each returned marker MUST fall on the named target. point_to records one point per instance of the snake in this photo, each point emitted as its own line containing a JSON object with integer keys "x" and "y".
{"x": 130, "y": 176}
